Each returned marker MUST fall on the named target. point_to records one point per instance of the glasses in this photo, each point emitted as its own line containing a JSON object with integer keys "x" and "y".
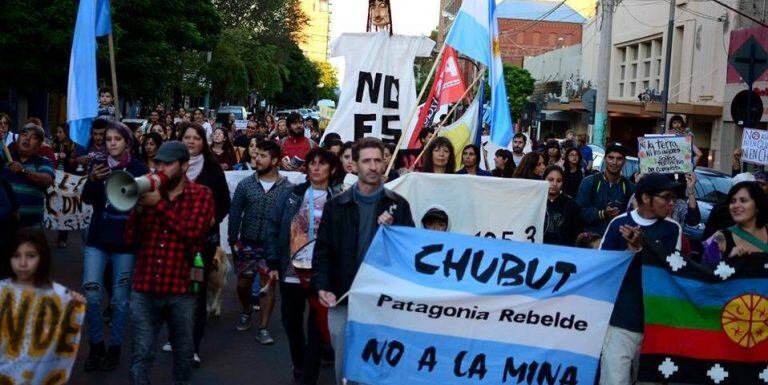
{"x": 666, "y": 197}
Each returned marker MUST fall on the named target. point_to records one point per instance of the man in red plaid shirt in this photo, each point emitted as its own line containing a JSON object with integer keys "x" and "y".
{"x": 167, "y": 229}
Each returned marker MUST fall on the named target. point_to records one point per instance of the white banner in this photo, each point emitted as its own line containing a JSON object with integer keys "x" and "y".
{"x": 482, "y": 206}
{"x": 233, "y": 178}
{"x": 64, "y": 208}
{"x": 754, "y": 146}
{"x": 39, "y": 334}
{"x": 378, "y": 93}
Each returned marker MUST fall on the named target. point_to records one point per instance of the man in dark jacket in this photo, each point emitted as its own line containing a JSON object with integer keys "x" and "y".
{"x": 288, "y": 248}
{"x": 349, "y": 223}
{"x": 604, "y": 196}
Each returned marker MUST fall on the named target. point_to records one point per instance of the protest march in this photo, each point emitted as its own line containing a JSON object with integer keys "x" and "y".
{"x": 253, "y": 196}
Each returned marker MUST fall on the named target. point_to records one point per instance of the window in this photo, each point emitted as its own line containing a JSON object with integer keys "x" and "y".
{"x": 639, "y": 66}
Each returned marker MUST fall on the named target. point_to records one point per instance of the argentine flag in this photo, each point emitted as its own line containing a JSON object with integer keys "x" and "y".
{"x": 476, "y": 22}
{"x": 93, "y": 20}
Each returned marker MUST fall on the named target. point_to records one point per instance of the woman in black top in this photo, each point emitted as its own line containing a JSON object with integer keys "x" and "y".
{"x": 439, "y": 157}
{"x": 204, "y": 170}
{"x": 531, "y": 167}
{"x": 562, "y": 223}
{"x": 573, "y": 172}
{"x": 505, "y": 164}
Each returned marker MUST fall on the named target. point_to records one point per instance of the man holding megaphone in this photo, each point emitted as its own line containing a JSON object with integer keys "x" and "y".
{"x": 167, "y": 227}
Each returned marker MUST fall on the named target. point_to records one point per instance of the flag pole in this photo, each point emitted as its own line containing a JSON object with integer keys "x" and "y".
{"x": 440, "y": 126}
{"x": 118, "y": 115}
{"x": 416, "y": 108}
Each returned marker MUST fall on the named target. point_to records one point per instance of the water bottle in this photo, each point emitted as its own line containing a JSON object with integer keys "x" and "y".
{"x": 196, "y": 274}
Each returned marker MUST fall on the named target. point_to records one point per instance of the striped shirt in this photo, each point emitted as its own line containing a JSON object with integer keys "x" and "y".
{"x": 30, "y": 197}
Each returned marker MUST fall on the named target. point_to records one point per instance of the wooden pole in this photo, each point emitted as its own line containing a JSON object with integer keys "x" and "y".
{"x": 440, "y": 126}
{"x": 118, "y": 115}
{"x": 413, "y": 112}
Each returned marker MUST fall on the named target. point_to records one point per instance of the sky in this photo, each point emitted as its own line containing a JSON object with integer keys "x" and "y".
{"x": 411, "y": 17}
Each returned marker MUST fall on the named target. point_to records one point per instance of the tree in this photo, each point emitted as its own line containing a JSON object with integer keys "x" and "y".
{"x": 328, "y": 79}
{"x": 519, "y": 84}
{"x": 271, "y": 21}
{"x": 299, "y": 81}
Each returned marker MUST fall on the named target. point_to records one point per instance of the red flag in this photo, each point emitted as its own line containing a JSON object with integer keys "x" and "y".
{"x": 447, "y": 88}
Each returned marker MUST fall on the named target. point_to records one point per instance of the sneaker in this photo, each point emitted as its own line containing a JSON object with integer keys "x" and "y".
{"x": 245, "y": 322}
{"x": 264, "y": 337}
{"x": 167, "y": 347}
{"x": 256, "y": 307}
{"x": 95, "y": 356}
{"x": 196, "y": 361}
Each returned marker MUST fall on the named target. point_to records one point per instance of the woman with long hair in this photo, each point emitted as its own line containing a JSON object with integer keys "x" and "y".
{"x": 106, "y": 246}
{"x": 573, "y": 171}
{"x": 65, "y": 149}
{"x": 470, "y": 159}
{"x": 269, "y": 121}
{"x": 748, "y": 206}
{"x": 170, "y": 127}
{"x": 204, "y": 169}
{"x": 248, "y": 161}
{"x": 552, "y": 154}
{"x": 531, "y": 167}
{"x": 562, "y": 222}
{"x": 198, "y": 116}
{"x": 158, "y": 129}
{"x": 439, "y": 157}
{"x": 222, "y": 149}
{"x": 150, "y": 143}
{"x": 505, "y": 164}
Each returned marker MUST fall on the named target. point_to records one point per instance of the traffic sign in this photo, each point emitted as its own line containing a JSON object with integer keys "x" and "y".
{"x": 750, "y": 60}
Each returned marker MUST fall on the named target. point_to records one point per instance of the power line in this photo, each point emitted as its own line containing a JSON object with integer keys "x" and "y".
{"x": 641, "y": 22}
{"x": 741, "y": 13}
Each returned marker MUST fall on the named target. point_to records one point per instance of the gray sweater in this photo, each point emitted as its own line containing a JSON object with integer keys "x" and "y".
{"x": 251, "y": 208}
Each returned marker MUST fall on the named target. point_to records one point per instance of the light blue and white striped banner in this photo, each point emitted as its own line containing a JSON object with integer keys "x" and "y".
{"x": 439, "y": 308}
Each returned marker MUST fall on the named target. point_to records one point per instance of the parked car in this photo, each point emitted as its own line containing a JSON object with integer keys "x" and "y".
{"x": 283, "y": 114}
{"x": 241, "y": 113}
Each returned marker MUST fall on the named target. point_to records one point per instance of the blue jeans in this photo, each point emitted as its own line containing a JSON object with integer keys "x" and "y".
{"x": 148, "y": 311}
{"x": 94, "y": 264}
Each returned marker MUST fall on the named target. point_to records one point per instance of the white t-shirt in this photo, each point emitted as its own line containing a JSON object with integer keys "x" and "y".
{"x": 266, "y": 185}
{"x": 377, "y": 55}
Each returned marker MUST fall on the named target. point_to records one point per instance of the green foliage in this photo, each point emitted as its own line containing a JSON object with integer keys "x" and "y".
{"x": 299, "y": 81}
{"x": 519, "y": 84}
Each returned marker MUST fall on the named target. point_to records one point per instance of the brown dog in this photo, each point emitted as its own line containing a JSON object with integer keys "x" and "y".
{"x": 217, "y": 281}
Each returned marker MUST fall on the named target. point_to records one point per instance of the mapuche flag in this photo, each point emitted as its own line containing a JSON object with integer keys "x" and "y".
{"x": 705, "y": 325}
{"x": 447, "y": 88}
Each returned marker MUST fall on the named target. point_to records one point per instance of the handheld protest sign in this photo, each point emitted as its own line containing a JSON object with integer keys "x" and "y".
{"x": 665, "y": 154}
{"x": 754, "y": 146}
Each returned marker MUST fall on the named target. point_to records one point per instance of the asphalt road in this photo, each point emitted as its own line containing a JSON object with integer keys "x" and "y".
{"x": 228, "y": 357}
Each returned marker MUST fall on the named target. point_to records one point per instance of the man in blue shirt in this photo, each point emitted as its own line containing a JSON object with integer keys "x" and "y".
{"x": 642, "y": 229}
{"x": 601, "y": 197}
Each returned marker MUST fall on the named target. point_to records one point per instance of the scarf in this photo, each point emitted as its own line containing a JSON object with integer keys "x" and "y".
{"x": 122, "y": 162}
{"x": 195, "y": 167}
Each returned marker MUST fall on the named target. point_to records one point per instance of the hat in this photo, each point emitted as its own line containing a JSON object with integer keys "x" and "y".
{"x": 37, "y": 130}
{"x": 616, "y": 147}
{"x": 654, "y": 183}
{"x": 743, "y": 177}
{"x": 172, "y": 151}
{"x": 434, "y": 214}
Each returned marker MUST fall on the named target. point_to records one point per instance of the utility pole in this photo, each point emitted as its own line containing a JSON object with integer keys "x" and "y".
{"x": 667, "y": 65}
{"x": 603, "y": 71}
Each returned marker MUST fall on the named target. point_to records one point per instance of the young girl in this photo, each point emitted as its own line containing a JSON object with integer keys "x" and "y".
{"x": 30, "y": 263}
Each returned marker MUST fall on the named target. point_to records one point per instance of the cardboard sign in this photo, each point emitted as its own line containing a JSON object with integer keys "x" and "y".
{"x": 64, "y": 208}
{"x": 754, "y": 146}
{"x": 241, "y": 124}
{"x": 665, "y": 154}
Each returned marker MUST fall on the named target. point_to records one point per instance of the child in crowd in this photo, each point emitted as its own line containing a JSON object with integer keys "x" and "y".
{"x": 435, "y": 219}
{"x": 106, "y": 106}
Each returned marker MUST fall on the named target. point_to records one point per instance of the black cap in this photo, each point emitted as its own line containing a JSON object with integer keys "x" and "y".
{"x": 652, "y": 184}
{"x": 616, "y": 147}
{"x": 172, "y": 151}
{"x": 434, "y": 214}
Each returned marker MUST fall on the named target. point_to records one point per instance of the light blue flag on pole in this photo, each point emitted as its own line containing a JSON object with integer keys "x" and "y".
{"x": 476, "y": 22}
{"x": 93, "y": 20}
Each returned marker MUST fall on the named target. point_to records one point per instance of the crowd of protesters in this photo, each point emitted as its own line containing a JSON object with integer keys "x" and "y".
{"x": 301, "y": 245}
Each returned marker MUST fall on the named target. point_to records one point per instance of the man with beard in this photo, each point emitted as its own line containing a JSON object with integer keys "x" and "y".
{"x": 604, "y": 196}
{"x": 518, "y": 144}
{"x": 168, "y": 228}
{"x": 296, "y": 146}
{"x": 29, "y": 174}
{"x": 249, "y": 215}
{"x": 346, "y": 230}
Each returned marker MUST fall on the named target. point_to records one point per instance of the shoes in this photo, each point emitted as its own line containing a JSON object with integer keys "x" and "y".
{"x": 167, "y": 347}
{"x": 112, "y": 359}
{"x": 245, "y": 322}
{"x": 196, "y": 362}
{"x": 256, "y": 307}
{"x": 264, "y": 337}
{"x": 95, "y": 356}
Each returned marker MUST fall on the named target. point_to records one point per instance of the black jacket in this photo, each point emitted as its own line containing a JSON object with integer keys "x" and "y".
{"x": 212, "y": 176}
{"x": 335, "y": 259}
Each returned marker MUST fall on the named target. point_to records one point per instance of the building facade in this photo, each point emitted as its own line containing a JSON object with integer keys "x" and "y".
{"x": 316, "y": 42}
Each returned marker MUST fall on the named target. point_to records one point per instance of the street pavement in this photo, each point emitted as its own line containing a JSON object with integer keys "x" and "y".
{"x": 228, "y": 357}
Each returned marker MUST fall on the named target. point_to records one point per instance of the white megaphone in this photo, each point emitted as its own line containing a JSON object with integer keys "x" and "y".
{"x": 123, "y": 190}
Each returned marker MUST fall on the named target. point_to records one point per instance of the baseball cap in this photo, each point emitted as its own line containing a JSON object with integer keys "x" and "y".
{"x": 35, "y": 129}
{"x": 172, "y": 151}
{"x": 743, "y": 177}
{"x": 655, "y": 183}
{"x": 616, "y": 147}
